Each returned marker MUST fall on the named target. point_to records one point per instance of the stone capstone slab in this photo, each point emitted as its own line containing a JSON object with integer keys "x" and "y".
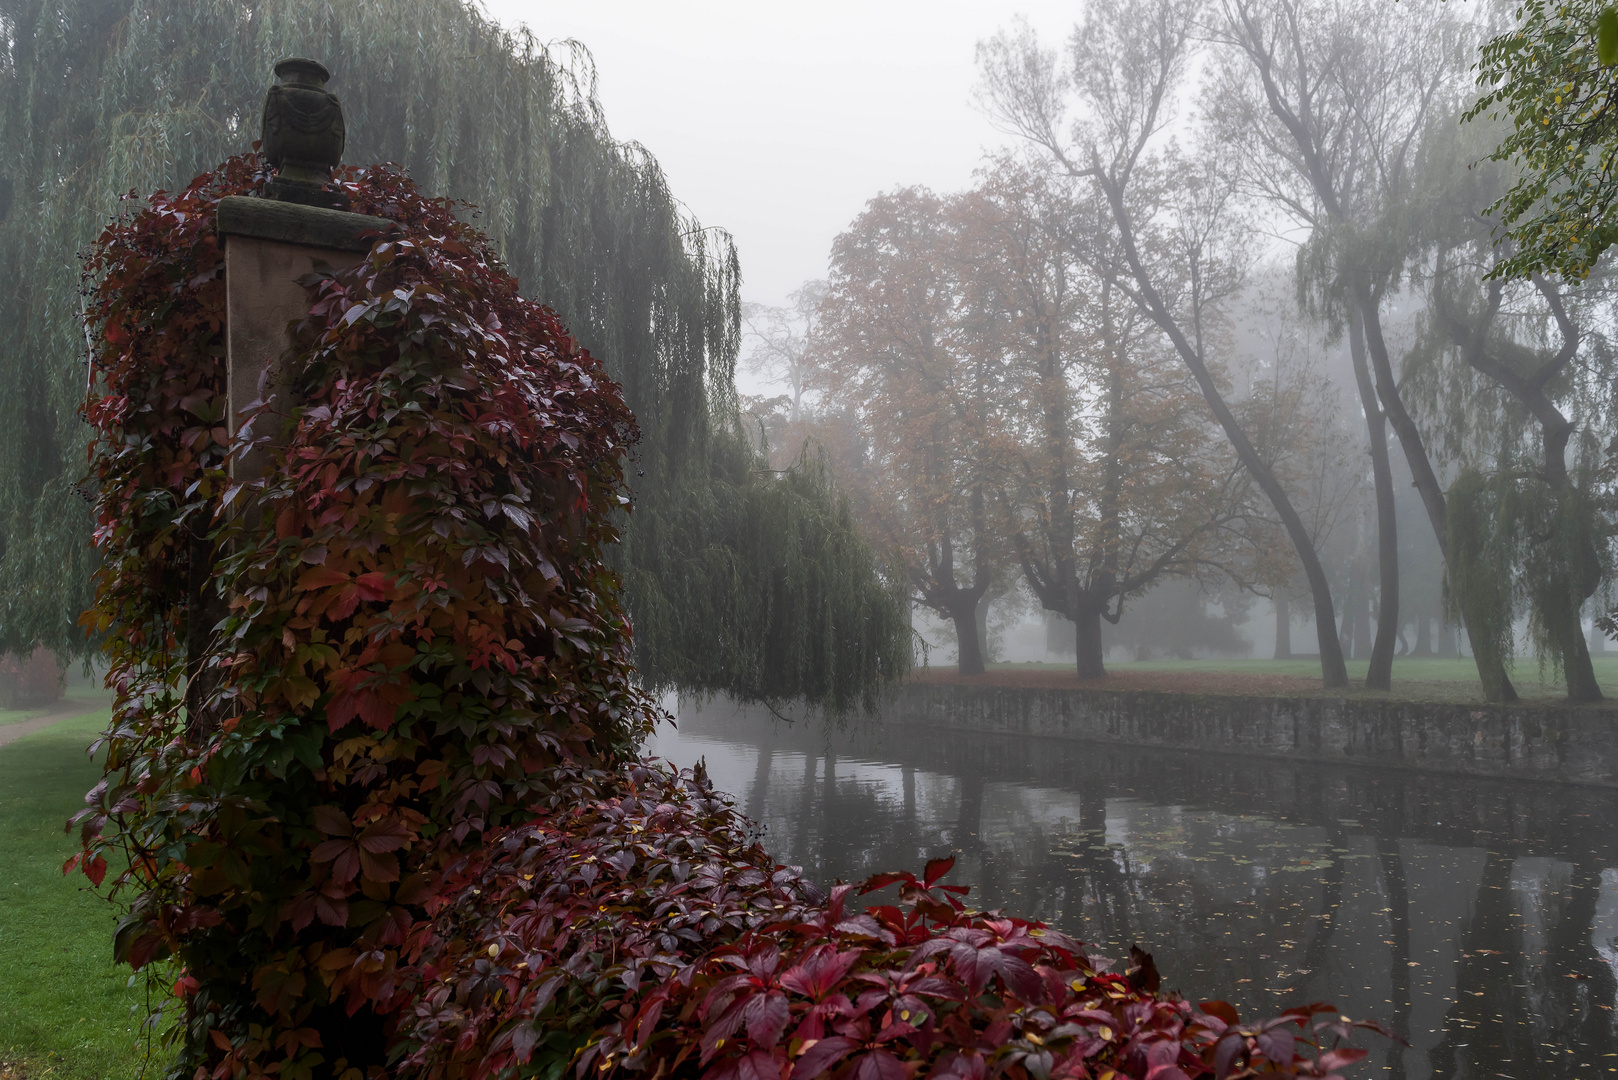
{"x": 294, "y": 223}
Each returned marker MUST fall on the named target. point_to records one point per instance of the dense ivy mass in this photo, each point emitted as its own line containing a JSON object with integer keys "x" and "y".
{"x": 101, "y": 96}
{"x": 641, "y": 936}
{"x": 420, "y": 619}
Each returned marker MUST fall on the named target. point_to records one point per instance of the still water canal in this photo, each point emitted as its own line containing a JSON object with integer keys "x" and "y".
{"x": 1478, "y": 917}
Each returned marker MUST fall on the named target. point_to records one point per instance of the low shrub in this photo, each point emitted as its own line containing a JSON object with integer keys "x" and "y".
{"x": 31, "y": 680}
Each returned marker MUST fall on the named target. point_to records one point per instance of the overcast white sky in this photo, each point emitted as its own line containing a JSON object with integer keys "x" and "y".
{"x": 778, "y": 121}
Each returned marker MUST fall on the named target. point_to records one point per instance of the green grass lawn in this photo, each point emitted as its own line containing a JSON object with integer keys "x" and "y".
{"x": 1422, "y": 678}
{"x": 65, "y": 1010}
{"x": 87, "y": 697}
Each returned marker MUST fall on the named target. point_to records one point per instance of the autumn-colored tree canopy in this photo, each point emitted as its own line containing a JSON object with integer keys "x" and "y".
{"x": 898, "y": 349}
{"x": 1017, "y": 413}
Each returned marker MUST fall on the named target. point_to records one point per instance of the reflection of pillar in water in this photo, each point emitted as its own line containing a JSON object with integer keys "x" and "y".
{"x": 828, "y": 790}
{"x": 909, "y": 831}
{"x": 1396, "y": 891}
{"x": 806, "y": 804}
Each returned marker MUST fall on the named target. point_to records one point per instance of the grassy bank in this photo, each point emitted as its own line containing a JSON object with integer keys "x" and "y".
{"x": 65, "y": 1010}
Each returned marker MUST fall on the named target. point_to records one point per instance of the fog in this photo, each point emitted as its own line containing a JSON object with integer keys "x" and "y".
{"x": 778, "y": 121}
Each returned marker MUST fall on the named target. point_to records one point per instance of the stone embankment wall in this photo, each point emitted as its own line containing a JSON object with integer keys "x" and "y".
{"x": 1525, "y": 741}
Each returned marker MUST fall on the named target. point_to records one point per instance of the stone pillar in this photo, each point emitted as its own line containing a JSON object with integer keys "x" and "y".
{"x": 296, "y": 227}
{"x": 269, "y": 245}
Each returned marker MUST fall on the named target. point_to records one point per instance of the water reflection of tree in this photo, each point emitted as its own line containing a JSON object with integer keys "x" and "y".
{"x": 1165, "y": 887}
{"x": 1575, "y": 982}
{"x": 1316, "y": 965}
{"x": 803, "y": 821}
{"x": 758, "y": 796}
{"x": 1490, "y": 983}
{"x": 843, "y": 829}
{"x": 1396, "y": 891}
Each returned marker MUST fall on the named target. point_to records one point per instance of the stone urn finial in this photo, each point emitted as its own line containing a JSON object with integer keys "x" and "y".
{"x": 302, "y": 134}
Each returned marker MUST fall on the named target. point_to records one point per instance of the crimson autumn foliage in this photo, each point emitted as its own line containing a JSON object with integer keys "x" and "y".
{"x": 639, "y": 933}
{"x": 400, "y": 828}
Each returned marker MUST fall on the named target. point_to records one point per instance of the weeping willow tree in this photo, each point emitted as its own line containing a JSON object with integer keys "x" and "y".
{"x": 1513, "y": 380}
{"x": 738, "y": 580}
{"x": 1520, "y": 547}
{"x": 1516, "y": 393}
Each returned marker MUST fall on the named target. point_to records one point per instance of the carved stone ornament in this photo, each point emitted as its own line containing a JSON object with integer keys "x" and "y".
{"x": 303, "y": 134}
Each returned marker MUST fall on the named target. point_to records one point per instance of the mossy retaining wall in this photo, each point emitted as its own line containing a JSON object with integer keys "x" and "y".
{"x": 1526, "y": 741}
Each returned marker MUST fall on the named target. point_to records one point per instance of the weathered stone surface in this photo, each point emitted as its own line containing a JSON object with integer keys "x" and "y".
{"x": 302, "y": 128}
{"x": 1527, "y": 741}
{"x": 262, "y": 301}
{"x": 294, "y": 223}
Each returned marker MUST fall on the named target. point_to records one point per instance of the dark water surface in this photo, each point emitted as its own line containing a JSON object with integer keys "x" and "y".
{"x": 1478, "y": 917}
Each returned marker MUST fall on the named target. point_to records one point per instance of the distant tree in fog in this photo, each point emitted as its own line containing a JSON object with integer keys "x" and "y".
{"x": 1180, "y": 242}
{"x": 1327, "y": 102}
{"x": 1018, "y": 412}
{"x": 1118, "y": 477}
{"x": 775, "y": 340}
{"x": 891, "y": 352}
{"x": 1287, "y": 400}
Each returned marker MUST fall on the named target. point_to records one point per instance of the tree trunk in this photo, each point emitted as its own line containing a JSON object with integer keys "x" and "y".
{"x": 1560, "y": 610}
{"x": 1448, "y": 647}
{"x": 1362, "y": 622}
{"x": 1379, "y": 676}
{"x": 1567, "y": 631}
{"x": 1491, "y": 668}
{"x": 981, "y": 614}
{"x": 970, "y": 660}
{"x": 1087, "y": 639}
{"x": 1333, "y": 672}
{"x": 1283, "y": 626}
{"x": 1345, "y": 631}
{"x": 1490, "y": 661}
{"x": 1575, "y": 584}
{"x": 1424, "y": 635}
